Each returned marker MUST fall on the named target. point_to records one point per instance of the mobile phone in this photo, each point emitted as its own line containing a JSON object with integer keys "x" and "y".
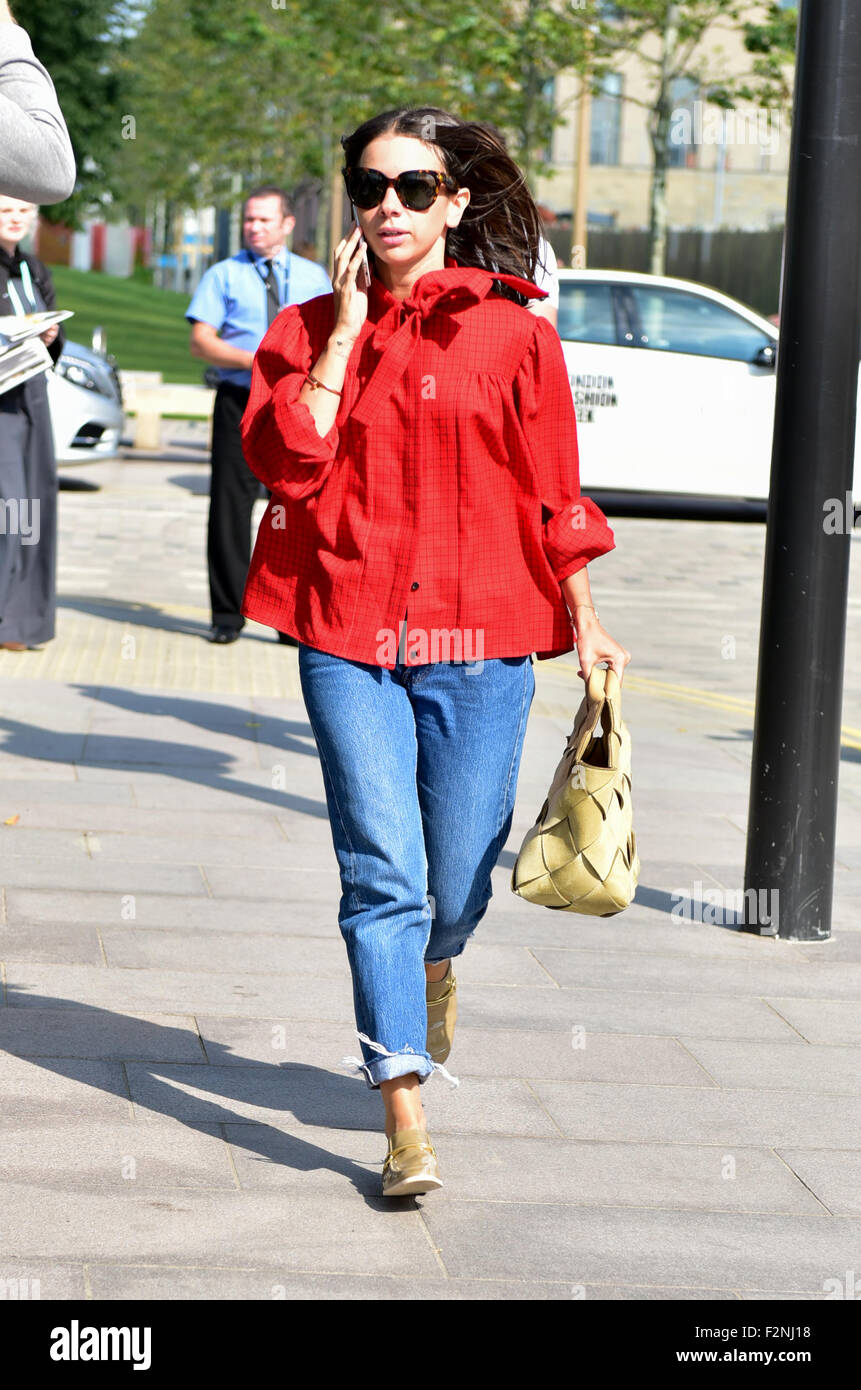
{"x": 363, "y": 278}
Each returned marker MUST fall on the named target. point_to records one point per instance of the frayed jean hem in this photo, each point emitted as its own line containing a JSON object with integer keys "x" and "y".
{"x": 393, "y": 1064}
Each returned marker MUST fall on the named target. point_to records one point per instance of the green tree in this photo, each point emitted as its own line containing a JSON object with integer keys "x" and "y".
{"x": 667, "y": 37}
{"x": 222, "y": 90}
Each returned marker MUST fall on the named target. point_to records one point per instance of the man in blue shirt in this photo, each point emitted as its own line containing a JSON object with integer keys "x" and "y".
{"x": 230, "y": 313}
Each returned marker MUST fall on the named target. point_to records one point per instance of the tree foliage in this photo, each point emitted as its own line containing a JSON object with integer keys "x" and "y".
{"x": 667, "y": 37}
{"x": 183, "y": 100}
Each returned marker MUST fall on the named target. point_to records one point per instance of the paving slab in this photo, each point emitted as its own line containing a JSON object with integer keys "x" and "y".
{"x": 822, "y": 1020}
{"x": 165, "y": 1226}
{"x": 128, "y": 823}
{"x": 624, "y": 1011}
{"x": 72, "y": 1155}
{"x": 94, "y": 875}
{"x": 177, "y": 991}
{"x": 51, "y": 942}
{"x": 270, "y": 1042}
{"x": 285, "y": 885}
{"x": 769, "y": 975}
{"x": 36, "y": 1280}
{"x": 69, "y": 792}
{"x": 275, "y": 952}
{"x": 728, "y": 1250}
{"x": 244, "y": 852}
{"x": 62, "y": 1087}
{"x": 820, "y": 1070}
{"x": 22, "y": 841}
{"x": 500, "y": 1168}
{"x": 834, "y": 1176}
{"x": 706, "y": 1115}
{"x": 577, "y": 1055}
{"x": 638, "y": 931}
{"x": 98, "y": 1033}
{"x": 194, "y": 912}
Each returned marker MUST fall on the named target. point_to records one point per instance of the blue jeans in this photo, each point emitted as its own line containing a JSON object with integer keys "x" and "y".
{"x": 420, "y": 768}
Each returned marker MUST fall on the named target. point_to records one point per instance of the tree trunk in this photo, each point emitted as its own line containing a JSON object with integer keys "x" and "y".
{"x": 322, "y": 236}
{"x": 660, "y": 133}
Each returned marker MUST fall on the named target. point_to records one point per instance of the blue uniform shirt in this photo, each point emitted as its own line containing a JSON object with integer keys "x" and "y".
{"x": 232, "y": 297}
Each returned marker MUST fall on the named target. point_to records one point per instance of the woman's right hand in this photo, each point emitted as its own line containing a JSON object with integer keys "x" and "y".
{"x": 351, "y": 303}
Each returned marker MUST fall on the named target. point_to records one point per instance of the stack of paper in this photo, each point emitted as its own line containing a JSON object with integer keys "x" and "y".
{"x": 22, "y": 352}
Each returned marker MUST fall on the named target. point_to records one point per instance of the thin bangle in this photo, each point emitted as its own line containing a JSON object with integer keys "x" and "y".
{"x": 585, "y": 605}
{"x": 314, "y": 382}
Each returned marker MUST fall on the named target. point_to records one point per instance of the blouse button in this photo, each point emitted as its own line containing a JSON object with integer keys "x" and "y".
{"x": 415, "y": 584}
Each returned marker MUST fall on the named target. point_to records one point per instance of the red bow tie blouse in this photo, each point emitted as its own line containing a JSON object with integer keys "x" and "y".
{"x": 447, "y": 490}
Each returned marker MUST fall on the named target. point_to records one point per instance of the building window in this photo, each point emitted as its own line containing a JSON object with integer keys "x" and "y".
{"x": 606, "y": 121}
{"x": 682, "y": 143}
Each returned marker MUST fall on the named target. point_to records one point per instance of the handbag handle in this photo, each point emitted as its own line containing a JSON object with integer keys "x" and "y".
{"x": 603, "y": 683}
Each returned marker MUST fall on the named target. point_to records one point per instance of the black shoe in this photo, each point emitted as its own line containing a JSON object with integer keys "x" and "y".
{"x": 287, "y": 640}
{"x": 224, "y": 634}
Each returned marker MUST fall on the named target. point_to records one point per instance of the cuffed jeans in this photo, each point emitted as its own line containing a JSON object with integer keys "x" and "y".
{"x": 420, "y": 769}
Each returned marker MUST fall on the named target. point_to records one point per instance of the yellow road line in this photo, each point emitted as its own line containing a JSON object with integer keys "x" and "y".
{"x": 646, "y": 685}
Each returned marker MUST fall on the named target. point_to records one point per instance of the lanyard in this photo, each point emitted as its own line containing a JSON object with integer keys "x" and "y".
{"x": 26, "y": 285}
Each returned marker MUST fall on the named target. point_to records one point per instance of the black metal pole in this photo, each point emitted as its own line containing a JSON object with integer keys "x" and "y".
{"x": 789, "y": 869}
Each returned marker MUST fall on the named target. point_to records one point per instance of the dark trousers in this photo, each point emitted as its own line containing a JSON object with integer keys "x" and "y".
{"x": 232, "y": 494}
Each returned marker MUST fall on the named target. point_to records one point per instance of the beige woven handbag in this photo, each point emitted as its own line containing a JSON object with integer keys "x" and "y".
{"x": 581, "y": 853}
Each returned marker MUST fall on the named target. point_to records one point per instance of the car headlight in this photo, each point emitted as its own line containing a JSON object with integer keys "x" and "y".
{"x": 78, "y": 373}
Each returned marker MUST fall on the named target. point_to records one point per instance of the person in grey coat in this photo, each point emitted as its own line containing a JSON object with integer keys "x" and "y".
{"x": 28, "y": 468}
{"x": 36, "y": 158}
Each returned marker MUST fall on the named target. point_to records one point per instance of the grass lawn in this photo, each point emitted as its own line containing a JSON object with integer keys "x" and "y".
{"x": 146, "y": 328}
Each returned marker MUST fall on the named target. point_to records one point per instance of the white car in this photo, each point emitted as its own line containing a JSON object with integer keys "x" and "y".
{"x": 86, "y": 403}
{"x": 673, "y": 385}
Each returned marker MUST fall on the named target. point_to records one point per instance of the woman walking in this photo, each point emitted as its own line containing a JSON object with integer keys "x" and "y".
{"x": 28, "y": 469}
{"x": 425, "y": 534}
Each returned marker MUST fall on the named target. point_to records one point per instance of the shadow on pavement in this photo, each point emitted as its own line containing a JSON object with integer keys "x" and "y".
{"x": 136, "y": 614}
{"x": 152, "y": 755}
{"x": 310, "y": 1094}
{"x": 293, "y": 735}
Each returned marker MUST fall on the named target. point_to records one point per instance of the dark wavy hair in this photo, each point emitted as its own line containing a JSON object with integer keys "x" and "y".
{"x": 501, "y": 227}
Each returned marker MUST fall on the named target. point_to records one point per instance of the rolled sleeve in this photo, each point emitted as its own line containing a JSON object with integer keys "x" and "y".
{"x": 574, "y": 529}
{"x": 208, "y": 301}
{"x": 279, "y": 437}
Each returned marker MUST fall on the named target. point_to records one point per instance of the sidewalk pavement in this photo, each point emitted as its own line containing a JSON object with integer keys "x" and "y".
{"x": 649, "y": 1107}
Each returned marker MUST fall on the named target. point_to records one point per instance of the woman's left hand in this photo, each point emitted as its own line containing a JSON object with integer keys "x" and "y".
{"x": 49, "y": 335}
{"x": 594, "y": 644}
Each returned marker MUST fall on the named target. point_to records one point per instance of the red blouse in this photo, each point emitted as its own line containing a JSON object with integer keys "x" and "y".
{"x": 447, "y": 490}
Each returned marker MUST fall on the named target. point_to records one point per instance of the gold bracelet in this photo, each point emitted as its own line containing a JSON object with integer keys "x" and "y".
{"x": 315, "y": 382}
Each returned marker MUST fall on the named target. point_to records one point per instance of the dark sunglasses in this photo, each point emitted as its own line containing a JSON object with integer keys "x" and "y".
{"x": 416, "y": 188}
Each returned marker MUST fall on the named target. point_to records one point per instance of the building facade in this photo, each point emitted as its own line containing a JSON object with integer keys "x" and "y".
{"x": 727, "y": 168}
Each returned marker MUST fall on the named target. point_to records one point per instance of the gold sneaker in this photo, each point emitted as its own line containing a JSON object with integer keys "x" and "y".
{"x": 410, "y": 1166}
{"x": 441, "y": 997}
